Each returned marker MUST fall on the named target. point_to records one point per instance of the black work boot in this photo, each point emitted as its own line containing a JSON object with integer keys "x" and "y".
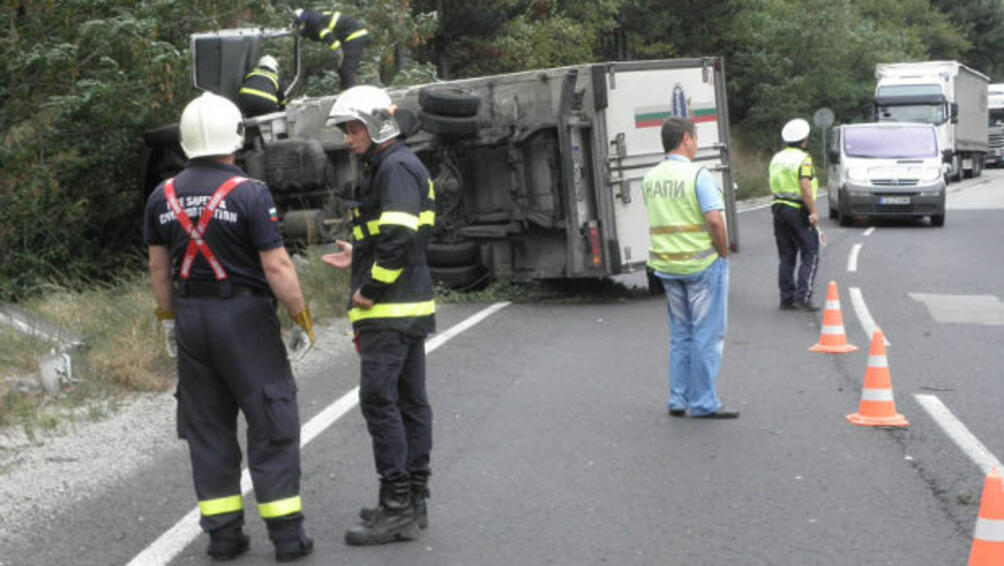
{"x": 290, "y": 540}
{"x": 419, "y": 493}
{"x": 227, "y": 543}
{"x": 394, "y": 519}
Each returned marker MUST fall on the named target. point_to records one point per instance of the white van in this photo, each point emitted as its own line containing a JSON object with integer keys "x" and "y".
{"x": 892, "y": 169}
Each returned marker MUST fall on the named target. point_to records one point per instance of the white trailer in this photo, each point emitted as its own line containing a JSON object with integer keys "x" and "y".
{"x": 947, "y": 94}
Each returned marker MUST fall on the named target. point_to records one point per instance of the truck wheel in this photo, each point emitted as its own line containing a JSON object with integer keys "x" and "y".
{"x": 449, "y": 101}
{"x": 937, "y": 220}
{"x": 449, "y": 126}
{"x": 462, "y": 278}
{"x": 453, "y": 254}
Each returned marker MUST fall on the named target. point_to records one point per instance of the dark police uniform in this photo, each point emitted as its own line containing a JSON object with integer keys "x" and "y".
{"x": 260, "y": 93}
{"x": 391, "y": 225}
{"x": 230, "y": 353}
{"x": 338, "y": 30}
{"x": 792, "y": 232}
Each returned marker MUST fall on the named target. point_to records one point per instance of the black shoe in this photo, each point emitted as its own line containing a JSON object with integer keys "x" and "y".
{"x": 788, "y": 306}
{"x": 805, "y": 306}
{"x": 677, "y": 412}
{"x": 228, "y": 547}
{"x": 419, "y": 493}
{"x": 394, "y": 519}
{"x": 722, "y": 413}
{"x": 293, "y": 549}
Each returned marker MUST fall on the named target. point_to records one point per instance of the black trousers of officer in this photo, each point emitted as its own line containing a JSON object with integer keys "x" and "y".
{"x": 394, "y": 402}
{"x": 796, "y": 240}
{"x": 252, "y": 105}
{"x": 352, "y": 52}
{"x": 231, "y": 358}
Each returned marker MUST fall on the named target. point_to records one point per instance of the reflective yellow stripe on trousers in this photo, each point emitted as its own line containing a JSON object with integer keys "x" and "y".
{"x": 221, "y": 505}
{"x": 280, "y": 508}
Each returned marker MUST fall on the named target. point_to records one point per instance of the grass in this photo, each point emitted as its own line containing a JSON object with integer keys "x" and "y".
{"x": 751, "y": 169}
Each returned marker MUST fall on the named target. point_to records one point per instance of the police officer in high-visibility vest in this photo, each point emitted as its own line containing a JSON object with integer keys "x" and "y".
{"x": 392, "y": 310}
{"x": 688, "y": 247}
{"x": 343, "y": 34}
{"x": 217, "y": 266}
{"x": 794, "y": 185}
{"x": 261, "y": 92}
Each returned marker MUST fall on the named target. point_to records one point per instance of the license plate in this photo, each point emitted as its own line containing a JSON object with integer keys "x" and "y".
{"x": 894, "y": 200}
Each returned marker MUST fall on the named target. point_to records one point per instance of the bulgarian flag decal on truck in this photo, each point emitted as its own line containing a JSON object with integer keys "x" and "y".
{"x": 653, "y": 117}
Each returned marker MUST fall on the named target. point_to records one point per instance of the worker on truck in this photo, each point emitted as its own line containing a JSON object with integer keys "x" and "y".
{"x": 261, "y": 92}
{"x": 794, "y": 185}
{"x": 217, "y": 266}
{"x": 343, "y": 35}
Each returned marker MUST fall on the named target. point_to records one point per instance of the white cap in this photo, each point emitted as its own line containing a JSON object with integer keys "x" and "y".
{"x": 269, "y": 63}
{"x": 211, "y": 125}
{"x": 795, "y": 130}
{"x": 369, "y": 105}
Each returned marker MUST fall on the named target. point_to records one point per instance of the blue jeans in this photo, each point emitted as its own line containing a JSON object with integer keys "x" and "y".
{"x": 697, "y": 308}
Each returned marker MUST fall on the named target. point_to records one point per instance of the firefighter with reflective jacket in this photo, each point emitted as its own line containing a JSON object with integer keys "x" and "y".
{"x": 794, "y": 185}
{"x": 217, "y": 266}
{"x": 343, "y": 35}
{"x": 261, "y": 92}
{"x": 392, "y": 310}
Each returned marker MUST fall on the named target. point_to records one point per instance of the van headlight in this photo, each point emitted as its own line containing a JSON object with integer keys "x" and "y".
{"x": 858, "y": 174}
{"x": 929, "y": 174}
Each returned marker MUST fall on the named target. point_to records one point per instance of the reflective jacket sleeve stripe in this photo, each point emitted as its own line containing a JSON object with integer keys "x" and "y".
{"x": 427, "y": 218}
{"x": 393, "y": 310}
{"x": 356, "y": 34}
{"x": 280, "y": 508}
{"x": 262, "y": 94}
{"x": 221, "y": 505}
{"x": 383, "y": 275}
{"x": 272, "y": 78}
{"x": 399, "y": 219}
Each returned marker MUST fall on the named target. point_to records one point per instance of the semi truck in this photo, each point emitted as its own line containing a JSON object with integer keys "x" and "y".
{"x": 947, "y": 94}
{"x": 995, "y": 135}
{"x": 537, "y": 174}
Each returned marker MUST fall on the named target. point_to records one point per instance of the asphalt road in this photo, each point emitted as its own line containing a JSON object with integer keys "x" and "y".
{"x": 552, "y": 443}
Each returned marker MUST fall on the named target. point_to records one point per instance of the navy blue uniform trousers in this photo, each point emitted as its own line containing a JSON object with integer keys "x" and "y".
{"x": 231, "y": 358}
{"x": 394, "y": 402}
{"x": 796, "y": 241}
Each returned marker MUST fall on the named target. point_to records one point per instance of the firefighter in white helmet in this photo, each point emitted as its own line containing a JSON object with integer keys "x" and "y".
{"x": 794, "y": 184}
{"x": 217, "y": 266}
{"x": 261, "y": 91}
{"x": 391, "y": 309}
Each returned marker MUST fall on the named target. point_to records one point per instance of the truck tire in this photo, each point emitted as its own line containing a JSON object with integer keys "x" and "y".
{"x": 461, "y": 278}
{"x": 453, "y": 254}
{"x": 449, "y": 126}
{"x": 449, "y": 101}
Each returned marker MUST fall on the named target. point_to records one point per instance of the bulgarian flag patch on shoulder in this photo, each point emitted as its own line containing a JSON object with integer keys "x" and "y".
{"x": 272, "y": 215}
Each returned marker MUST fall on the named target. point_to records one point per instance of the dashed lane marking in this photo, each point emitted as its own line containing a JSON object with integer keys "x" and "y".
{"x": 172, "y": 542}
{"x": 953, "y": 427}
{"x": 852, "y": 258}
{"x": 864, "y": 317}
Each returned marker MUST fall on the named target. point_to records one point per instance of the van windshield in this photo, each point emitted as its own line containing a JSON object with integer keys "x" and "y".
{"x": 890, "y": 143}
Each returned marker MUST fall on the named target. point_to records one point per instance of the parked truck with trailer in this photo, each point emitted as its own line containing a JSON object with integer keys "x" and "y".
{"x": 995, "y": 134}
{"x": 537, "y": 174}
{"x": 947, "y": 94}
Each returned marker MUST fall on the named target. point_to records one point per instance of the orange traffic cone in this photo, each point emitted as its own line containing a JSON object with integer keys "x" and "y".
{"x": 988, "y": 540}
{"x": 877, "y": 407}
{"x": 832, "y": 339}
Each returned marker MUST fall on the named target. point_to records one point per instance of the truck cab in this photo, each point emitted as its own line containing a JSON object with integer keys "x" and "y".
{"x": 995, "y": 136}
{"x": 886, "y": 170}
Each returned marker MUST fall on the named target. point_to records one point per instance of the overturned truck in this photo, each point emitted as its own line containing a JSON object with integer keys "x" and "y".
{"x": 537, "y": 174}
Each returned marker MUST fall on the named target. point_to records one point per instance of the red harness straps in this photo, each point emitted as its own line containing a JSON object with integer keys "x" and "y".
{"x": 196, "y": 233}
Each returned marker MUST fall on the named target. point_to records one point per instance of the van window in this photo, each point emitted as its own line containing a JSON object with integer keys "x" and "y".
{"x": 890, "y": 143}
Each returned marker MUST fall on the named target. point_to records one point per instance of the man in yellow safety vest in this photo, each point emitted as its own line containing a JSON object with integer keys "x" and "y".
{"x": 688, "y": 245}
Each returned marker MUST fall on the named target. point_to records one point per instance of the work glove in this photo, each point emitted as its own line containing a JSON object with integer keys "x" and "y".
{"x": 302, "y": 338}
{"x": 166, "y": 319}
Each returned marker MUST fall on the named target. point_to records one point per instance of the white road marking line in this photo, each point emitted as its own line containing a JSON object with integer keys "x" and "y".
{"x": 172, "y": 542}
{"x": 852, "y": 258}
{"x": 953, "y": 427}
{"x": 868, "y": 232}
{"x": 864, "y": 317}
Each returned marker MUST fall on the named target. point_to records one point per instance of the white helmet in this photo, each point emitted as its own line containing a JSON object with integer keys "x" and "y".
{"x": 211, "y": 125}
{"x": 369, "y": 105}
{"x": 795, "y": 130}
{"x": 269, "y": 63}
